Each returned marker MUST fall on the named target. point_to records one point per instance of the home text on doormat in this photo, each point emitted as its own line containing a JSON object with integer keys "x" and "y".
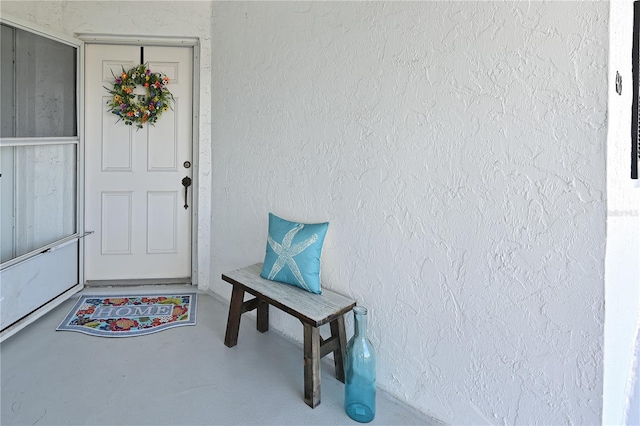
{"x": 132, "y": 315}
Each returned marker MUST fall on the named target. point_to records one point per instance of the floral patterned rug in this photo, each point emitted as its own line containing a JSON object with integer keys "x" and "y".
{"x": 126, "y": 316}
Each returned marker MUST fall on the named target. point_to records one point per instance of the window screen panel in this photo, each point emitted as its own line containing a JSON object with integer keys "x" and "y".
{"x": 44, "y": 85}
{"x": 7, "y": 82}
{"x": 39, "y": 200}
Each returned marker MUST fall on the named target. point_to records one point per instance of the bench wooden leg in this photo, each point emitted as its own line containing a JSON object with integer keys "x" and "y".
{"x": 235, "y": 312}
{"x": 311, "y": 365}
{"x": 262, "y": 323}
{"x": 338, "y": 331}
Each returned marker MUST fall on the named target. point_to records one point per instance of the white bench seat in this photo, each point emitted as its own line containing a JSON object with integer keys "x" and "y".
{"x": 313, "y": 310}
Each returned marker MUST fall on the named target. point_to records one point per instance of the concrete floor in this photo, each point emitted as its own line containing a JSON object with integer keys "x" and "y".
{"x": 181, "y": 376}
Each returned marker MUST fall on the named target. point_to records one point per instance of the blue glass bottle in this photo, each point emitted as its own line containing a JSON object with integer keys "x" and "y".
{"x": 360, "y": 372}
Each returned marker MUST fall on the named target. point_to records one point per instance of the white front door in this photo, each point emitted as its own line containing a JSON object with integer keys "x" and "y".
{"x": 134, "y": 196}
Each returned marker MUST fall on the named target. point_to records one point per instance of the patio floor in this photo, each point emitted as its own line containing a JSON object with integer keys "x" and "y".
{"x": 180, "y": 376}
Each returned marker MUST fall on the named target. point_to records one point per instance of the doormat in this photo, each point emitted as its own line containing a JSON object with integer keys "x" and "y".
{"x": 126, "y": 316}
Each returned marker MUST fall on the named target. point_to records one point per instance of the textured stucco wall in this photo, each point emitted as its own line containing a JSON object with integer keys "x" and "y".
{"x": 458, "y": 150}
{"x": 144, "y": 18}
{"x": 622, "y": 265}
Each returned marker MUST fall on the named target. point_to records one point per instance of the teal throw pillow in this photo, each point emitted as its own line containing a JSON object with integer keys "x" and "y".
{"x": 293, "y": 253}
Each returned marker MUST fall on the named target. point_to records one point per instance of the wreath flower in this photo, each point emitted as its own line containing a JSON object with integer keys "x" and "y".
{"x": 139, "y": 109}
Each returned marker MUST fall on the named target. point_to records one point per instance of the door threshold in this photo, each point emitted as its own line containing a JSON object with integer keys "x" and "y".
{"x": 138, "y": 282}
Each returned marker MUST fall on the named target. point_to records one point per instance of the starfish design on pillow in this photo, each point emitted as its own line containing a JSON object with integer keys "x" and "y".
{"x": 286, "y": 252}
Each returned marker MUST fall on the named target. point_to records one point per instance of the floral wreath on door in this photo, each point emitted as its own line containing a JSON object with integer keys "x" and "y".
{"x": 139, "y": 96}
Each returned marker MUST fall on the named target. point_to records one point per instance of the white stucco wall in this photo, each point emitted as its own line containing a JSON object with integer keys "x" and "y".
{"x": 144, "y": 18}
{"x": 456, "y": 148}
{"x": 458, "y": 151}
{"x": 623, "y": 227}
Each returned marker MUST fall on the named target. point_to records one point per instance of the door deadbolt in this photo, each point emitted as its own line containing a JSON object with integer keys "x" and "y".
{"x": 187, "y": 164}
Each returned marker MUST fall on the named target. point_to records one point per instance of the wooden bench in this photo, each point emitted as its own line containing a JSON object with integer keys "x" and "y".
{"x": 313, "y": 310}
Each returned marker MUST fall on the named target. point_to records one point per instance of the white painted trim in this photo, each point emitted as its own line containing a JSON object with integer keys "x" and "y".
{"x": 38, "y": 313}
{"x": 41, "y": 250}
{"x": 167, "y": 41}
{"x": 195, "y": 162}
{"x": 80, "y": 162}
{"x": 32, "y": 141}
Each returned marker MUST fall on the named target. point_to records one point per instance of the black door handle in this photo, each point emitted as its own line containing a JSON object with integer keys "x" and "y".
{"x": 186, "y": 182}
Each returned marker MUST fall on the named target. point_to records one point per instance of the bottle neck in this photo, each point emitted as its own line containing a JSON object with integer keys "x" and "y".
{"x": 360, "y": 321}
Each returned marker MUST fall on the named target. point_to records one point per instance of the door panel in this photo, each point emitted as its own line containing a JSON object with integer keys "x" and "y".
{"x": 134, "y": 194}
{"x": 116, "y": 222}
{"x": 162, "y": 224}
{"x": 25, "y": 288}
